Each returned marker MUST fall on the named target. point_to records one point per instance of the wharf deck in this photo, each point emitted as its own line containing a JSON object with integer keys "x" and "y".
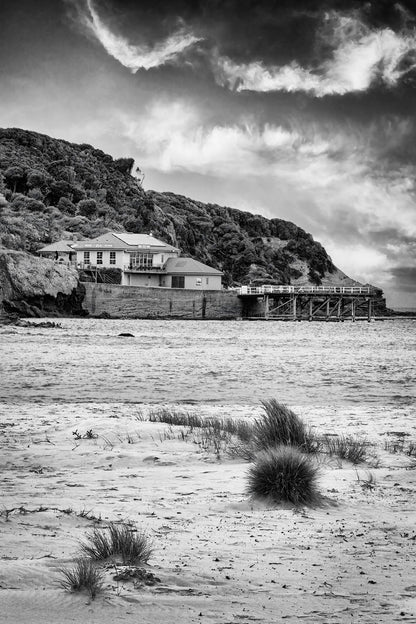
{"x": 312, "y": 303}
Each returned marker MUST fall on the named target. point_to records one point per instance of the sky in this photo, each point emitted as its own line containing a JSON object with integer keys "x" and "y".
{"x": 303, "y": 110}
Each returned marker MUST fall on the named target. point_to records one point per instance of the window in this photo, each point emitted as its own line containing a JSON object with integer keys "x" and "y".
{"x": 207, "y": 281}
{"x": 178, "y": 281}
{"x": 86, "y": 257}
{"x": 140, "y": 260}
{"x": 99, "y": 257}
{"x": 112, "y": 257}
{"x": 199, "y": 281}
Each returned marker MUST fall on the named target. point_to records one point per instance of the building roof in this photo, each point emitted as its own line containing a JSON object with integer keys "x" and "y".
{"x": 181, "y": 266}
{"x": 60, "y": 246}
{"x": 125, "y": 240}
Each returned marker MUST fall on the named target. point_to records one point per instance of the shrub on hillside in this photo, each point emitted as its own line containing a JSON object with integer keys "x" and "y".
{"x": 36, "y": 193}
{"x": 284, "y": 474}
{"x": 66, "y": 206}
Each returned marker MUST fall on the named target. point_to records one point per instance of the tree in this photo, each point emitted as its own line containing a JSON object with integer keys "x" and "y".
{"x": 58, "y": 189}
{"x": 107, "y": 214}
{"x": 66, "y": 206}
{"x": 133, "y": 225}
{"x": 35, "y": 178}
{"x": 14, "y": 177}
{"x": 87, "y": 208}
{"x": 125, "y": 165}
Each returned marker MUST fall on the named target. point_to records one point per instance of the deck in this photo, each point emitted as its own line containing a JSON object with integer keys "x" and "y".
{"x": 312, "y": 303}
{"x": 315, "y": 290}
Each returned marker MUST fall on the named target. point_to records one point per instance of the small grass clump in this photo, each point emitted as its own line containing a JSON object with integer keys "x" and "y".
{"x": 349, "y": 448}
{"x": 278, "y": 426}
{"x": 172, "y": 416}
{"x": 83, "y": 576}
{"x": 211, "y": 434}
{"x": 284, "y": 474}
{"x": 122, "y": 541}
{"x": 411, "y": 449}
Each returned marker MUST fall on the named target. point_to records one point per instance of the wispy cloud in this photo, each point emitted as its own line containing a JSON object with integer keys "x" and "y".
{"x": 134, "y": 57}
{"x": 360, "y": 56}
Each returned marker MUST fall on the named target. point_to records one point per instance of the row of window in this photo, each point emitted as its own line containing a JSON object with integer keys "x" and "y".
{"x": 87, "y": 259}
{"x": 142, "y": 260}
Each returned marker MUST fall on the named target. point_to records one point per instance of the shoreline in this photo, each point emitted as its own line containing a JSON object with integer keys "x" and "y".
{"x": 25, "y": 321}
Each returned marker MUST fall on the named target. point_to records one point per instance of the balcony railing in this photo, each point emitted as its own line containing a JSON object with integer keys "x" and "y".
{"x": 139, "y": 268}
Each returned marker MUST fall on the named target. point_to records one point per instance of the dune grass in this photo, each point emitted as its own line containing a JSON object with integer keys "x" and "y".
{"x": 211, "y": 434}
{"x": 83, "y": 576}
{"x": 279, "y": 425}
{"x": 118, "y": 541}
{"x": 347, "y": 447}
{"x": 283, "y": 474}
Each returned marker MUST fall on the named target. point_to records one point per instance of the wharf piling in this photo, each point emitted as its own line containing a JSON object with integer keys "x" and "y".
{"x": 311, "y": 303}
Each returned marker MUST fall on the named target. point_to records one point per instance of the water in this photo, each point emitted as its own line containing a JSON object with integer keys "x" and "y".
{"x": 227, "y": 363}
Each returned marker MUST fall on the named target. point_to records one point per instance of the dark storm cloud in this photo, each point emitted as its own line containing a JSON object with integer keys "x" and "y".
{"x": 392, "y": 236}
{"x": 405, "y": 277}
{"x": 323, "y": 48}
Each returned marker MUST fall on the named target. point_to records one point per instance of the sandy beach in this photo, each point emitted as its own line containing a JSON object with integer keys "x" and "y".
{"x": 219, "y": 556}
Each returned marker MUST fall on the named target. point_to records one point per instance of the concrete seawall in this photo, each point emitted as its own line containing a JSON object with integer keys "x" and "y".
{"x": 140, "y": 302}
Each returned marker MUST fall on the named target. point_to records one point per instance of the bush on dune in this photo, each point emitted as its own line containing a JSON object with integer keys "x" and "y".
{"x": 122, "y": 541}
{"x": 284, "y": 474}
{"x": 278, "y": 425}
{"x": 83, "y": 576}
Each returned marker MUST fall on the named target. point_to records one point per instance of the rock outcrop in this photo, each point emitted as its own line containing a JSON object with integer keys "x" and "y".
{"x": 35, "y": 287}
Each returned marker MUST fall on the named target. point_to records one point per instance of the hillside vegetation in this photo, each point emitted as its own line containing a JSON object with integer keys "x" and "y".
{"x": 52, "y": 189}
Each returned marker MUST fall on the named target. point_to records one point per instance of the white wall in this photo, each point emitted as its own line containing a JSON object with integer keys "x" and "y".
{"x": 140, "y": 279}
{"x": 198, "y": 282}
{"x": 106, "y": 259}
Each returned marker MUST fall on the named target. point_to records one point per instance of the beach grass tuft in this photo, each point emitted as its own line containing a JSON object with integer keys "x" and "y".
{"x": 211, "y": 434}
{"x": 279, "y": 425}
{"x": 117, "y": 540}
{"x": 347, "y": 447}
{"x": 83, "y": 576}
{"x": 176, "y": 417}
{"x": 284, "y": 474}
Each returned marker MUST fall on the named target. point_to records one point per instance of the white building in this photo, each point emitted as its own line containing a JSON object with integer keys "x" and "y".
{"x": 60, "y": 251}
{"x": 146, "y": 261}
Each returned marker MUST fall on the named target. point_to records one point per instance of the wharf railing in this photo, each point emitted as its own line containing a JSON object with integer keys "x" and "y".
{"x": 290, "y": 302}
{"x": 317, "y": 290}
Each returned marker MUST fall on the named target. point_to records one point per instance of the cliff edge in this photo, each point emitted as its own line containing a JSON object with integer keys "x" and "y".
{"x": 31, "y": 286}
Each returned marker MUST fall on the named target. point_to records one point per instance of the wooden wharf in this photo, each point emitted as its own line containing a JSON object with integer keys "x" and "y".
{"x": 311, "y": 303}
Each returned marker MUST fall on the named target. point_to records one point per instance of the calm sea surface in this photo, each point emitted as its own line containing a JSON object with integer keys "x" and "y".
{"x": 230, "y": 362}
